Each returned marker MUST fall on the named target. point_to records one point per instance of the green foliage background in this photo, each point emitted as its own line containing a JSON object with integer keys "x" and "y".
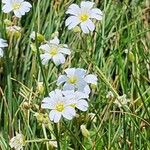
{"x": 126, "y": 25}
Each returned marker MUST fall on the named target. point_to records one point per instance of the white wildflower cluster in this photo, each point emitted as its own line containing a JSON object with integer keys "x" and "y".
{"x": 74, "y": 82}
{"x": 74, "y": 94}
{"x": 74, "y": 85}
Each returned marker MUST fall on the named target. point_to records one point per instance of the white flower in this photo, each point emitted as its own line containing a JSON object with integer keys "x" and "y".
{"x": 19, "y": 7}
{"x": 54, "y": 51}
{"x": 3, "y": 43}
{"x": 77, "y": 79}
{"x": 83, "y": 16}
{"x": 110, "y": 94}
{"x": 59, "y": 106}
{"x": 17, "y": 142}
{"x": 78, "y": 99}
{"x": 122, "y": 100}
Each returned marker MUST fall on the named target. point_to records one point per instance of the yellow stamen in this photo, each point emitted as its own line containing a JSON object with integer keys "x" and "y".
{"x": 60, "y": 106}
{"x": 16, "y": 6}
{"x": 53, "y": 51}
{"x": 72, "y": 80}
{"x": 84, "y": 17}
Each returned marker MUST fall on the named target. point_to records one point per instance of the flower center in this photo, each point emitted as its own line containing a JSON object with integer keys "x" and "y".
{"x": 54, "y": 51}
{"x": 16, "y": 6}
{"x": 60, "y": 106}
{"x": 84, "y": 17}
{"x": 72, "y": 80}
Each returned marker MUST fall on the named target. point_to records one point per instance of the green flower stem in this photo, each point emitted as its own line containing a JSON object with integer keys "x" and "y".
{"x": 44, "y": 79}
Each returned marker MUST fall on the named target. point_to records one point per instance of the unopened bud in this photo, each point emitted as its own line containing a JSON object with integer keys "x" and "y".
{"x": 77, "y": 29}
{"x": 40, "y": 37}
{"x": 84, "y": 131}
{"x": 33, "y": 48}
{"x": 14, "y": 31}
{"x": 40, "y": 87}
{"x": 94, "y": 86}
{"x": 26, "y": 105}
{"x": 8, "y": 22}
{"x": 39, "y": 117}
{"x": 131, "y": 57}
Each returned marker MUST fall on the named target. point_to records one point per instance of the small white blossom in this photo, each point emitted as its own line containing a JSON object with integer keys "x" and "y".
{"x": 122, "y": 100}
{"x": 3, "y": 43}
{"x": 54, "y": 51}
{"x": 110, "y": 94}
{"x": 78, "y": 99}
{"x": 77, "y": 79}
{"x": 19, "y": 7}
{"x": 83, "y": 16}
{"x": 59, "y": 106}
{"x": 17, "y": 142}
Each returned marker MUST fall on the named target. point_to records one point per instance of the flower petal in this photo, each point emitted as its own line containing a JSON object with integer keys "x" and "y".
{"x": 82, "y": 105}
{"x": 7, "y": 8}
{"x": 80, "y": 72}
{"x": 69, "y": 113}
{"x": 54, "y": 116}
{"x": 70, "y": 71}
{"x": 68, "y": 87}
{"x": 90, "y": 25}
{"x": 86, "y": 5}
{"x": 91, "y": 79}
{"x": 96, "y": 13}
{"x": 65, "y": 51}
{"x": 54, "y": 41}
{"x": 72, "y": 21}
{"x": 87, "y": 90}
{"x": 45, "y": 47}
{"x": 45, "y": 58}
{"x": 84, "y": 27}
{"x": 58, "y": 59}
{"x": 73, "y": 9}
{"x": 61, "y": 79}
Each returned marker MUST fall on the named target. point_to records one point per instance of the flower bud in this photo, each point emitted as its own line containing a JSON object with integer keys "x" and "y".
{"x": 93, "y": 86}
{"x": 40, "y": 87}
{"x": 40, "y": 37}
{"x": 39, "y": 117}
{"x": 131, "y": 57}
{"x": 26, "y": 105}
{"x": 33, "y": 48}
{"x": 77, "y": 29}
{"x": 8, "y": 22}
{"x": 84, "y": 131}
{"x": 13, "y": 31}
